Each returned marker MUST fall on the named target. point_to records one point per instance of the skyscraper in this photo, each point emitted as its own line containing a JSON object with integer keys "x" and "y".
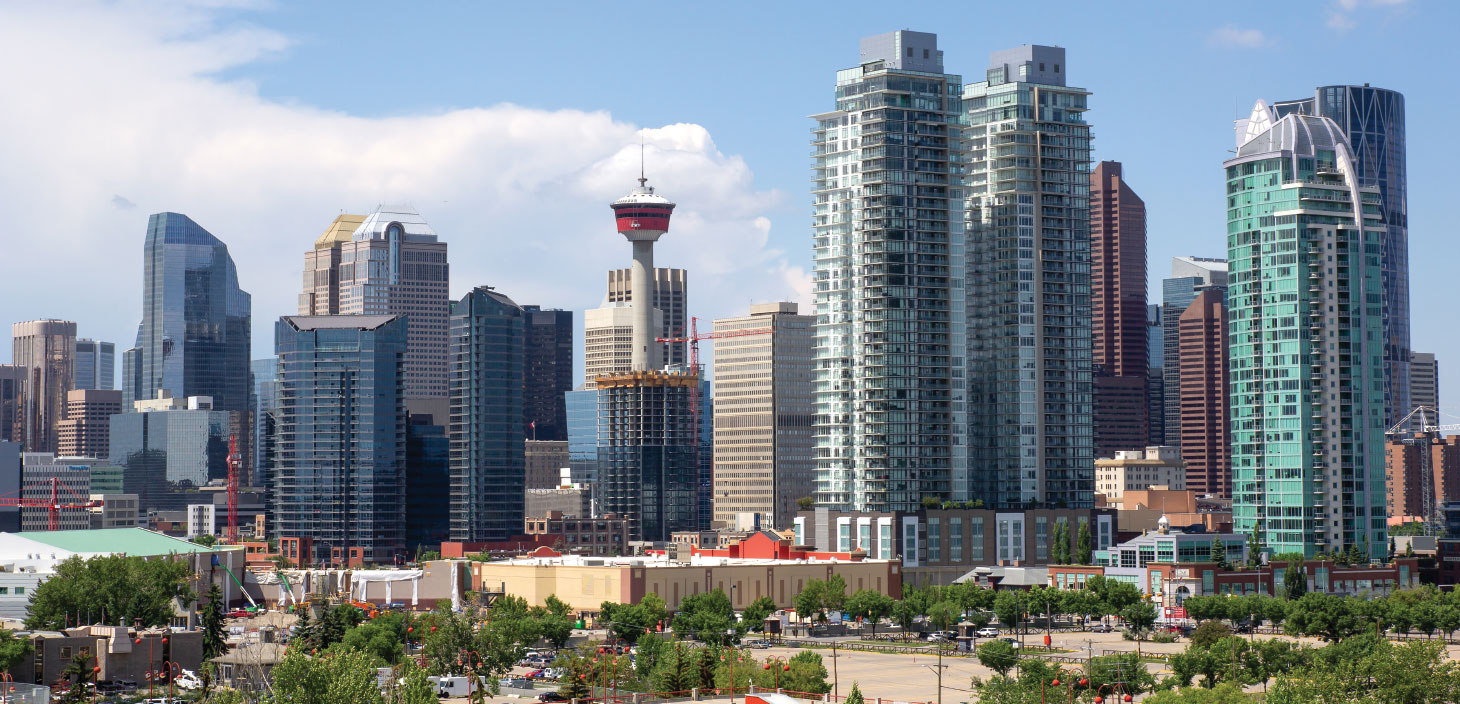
{"x": 96, "y": 364}
{"x": 1029, "y": 283}
{"x": 1189, "y": 276}
{"x": 1202, "y": 354}
{"x": 1306, "y": 351}
{"x": 1424, "y": 380}
{"x": 648, "y": 440}
{"x": 671, "y": 300}
{"x": 547, "y": 372}
{"x": 194, "y": 336}
{"x": 46, "y": 349}
{"x": 340, "y": 475}
{"x": 763, "y": 413}
{"x": 889, "y": 263}
{"x": 394, "y": 265}
{"x": 1120, "y": 359}
{"x": 168, "y": 447}
{"x": 264, "y": 404}
{"x": 488, "y": 471}
{"x": 12, "y": 403}
{"x": 1372, "y": 120}
{"x": 321, "y": 294}
{"x": 608, "y": 344}
{"x": 428, "y": 483}
{"x": 1155, "y": 381}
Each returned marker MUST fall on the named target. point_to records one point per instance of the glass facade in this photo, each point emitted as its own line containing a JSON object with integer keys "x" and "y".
{"x": 1306, "y": 355}
{"x": 488, "y": 467}
{"x": 648, "y": 452}
{"x": 340, "y": 451}
{"x": 547, "y": 372}
{"x": 1029, "y": 303}
{"x": 888, "y": 274}
{"x": 1190, "y": 276}
{"x": 263, "y": 402}
{"x": 428, "y": 483}
{"x": 194, "y": 336}
{"x": 166, "y": 455}
{"x": 96, "y": 364}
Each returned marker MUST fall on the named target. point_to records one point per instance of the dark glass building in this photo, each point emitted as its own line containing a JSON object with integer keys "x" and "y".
{"x": 340, "y": 449}
{"x": 167, "y": 453}
{"x": 648, "y": 452}
{"x": 488, "y": 467}
{"x": 428, "y": 483}
{"x": 194, "y": 336}
{"x": 263, "y": 403}
{"x": 547, "y": 372}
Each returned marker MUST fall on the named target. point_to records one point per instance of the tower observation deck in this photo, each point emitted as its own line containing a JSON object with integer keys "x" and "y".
{"x": 642, "y": 218}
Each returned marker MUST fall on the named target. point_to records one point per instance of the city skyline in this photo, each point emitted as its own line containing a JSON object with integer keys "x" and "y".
{"x": 747, "y": 189}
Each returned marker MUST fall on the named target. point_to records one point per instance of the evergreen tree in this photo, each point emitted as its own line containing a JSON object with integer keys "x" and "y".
{"x": 1219, "y": 553}
{"x": 1084, "y": 546}
{"x": 214, "y": 639}
{"x": 1060, "y": 555}
{"x": 1295, "y": 582}
{"x": 855, "y": 696}
{"x": 1254, "y": 546}
{"x": 303, "y": 630}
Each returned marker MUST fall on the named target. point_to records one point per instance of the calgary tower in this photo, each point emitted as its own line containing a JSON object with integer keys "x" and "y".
{"x": 643, "y": 218}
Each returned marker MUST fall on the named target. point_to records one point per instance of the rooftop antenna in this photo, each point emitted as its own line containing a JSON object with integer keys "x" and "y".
{"x": 642, "y": 180}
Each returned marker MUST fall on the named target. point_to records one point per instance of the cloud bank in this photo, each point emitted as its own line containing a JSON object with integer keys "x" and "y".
{"x": 114, "y": 112}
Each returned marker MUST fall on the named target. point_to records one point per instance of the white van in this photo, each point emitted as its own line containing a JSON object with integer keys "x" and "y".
{"x": 457, "y": 686}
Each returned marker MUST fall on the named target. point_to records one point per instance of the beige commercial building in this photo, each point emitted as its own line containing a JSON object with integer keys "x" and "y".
{"x": 764, "y": 413}
{"x": 86, "y": 432}
{"x": 321, "y": 293}
{"x": 740, "y": 572}
{"x": 1132, "y": 470}
{"x": 46, "y": 349}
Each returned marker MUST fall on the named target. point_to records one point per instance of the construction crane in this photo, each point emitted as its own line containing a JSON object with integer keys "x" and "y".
{"x": 52, "y": 505}
{"x": 1401, "y": 431}
{"x": 235, "y": 462}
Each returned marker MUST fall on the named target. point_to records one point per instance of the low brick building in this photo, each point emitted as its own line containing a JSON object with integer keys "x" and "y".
{"x": 120, "y": 652}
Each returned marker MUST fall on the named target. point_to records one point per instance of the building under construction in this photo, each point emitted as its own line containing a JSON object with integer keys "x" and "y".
{"x": 648, "y": 451}
{"x": 1423, "y": 472}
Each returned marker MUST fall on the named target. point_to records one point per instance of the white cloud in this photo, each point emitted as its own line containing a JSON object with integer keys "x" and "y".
{"x": 1341, "y": 21}
{"x": 1341, "y": 18}
{"x": 114, "y": 106}
{"x": 1237, "y": 37}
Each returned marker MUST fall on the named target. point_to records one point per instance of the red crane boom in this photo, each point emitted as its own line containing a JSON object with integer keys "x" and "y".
{"x": 234, "y": 465}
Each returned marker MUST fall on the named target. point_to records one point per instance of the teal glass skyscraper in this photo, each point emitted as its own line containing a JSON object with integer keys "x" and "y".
{"x": 1306, "y": 303}
{"x": 194, "y": 336}
{"x": 1029, "y": 306}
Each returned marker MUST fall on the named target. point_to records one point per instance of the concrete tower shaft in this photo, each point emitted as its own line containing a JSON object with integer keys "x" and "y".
{"x": 642, "y": 218}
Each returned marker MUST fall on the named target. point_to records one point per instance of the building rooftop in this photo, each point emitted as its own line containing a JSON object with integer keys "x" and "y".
{"x": 339, "y": 231}
{"x": 338, "y": 322}
{"x": 132, "y": 541}
{"x": 413, "y": 226}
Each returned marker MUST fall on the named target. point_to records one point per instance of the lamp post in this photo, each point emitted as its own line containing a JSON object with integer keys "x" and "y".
{"x": 469, "y": 660}
{"x": 1099, "y": 699}
{"x": 150, "y": 661}
{"x": 170, "y": 670}
{"x": 7, "y": 680}
{"x": 95, "y": 670}
{"x": 777, "y": 665}
{"x": 1070, "y": 685}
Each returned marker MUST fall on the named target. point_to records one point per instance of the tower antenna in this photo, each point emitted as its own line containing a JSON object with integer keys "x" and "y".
{"x": 642, "y": 180}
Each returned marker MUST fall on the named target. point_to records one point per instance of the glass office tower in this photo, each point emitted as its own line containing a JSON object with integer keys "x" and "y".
{"x": 1306, "y": 347}
{"x": 96, "y": 364}
{"x": 1029, "y": 283}
{"x": 340, "y": 454}
{"x": 488, "y": 467}
{"x": 194, "y": 336}
{"x": 888, "y": 267}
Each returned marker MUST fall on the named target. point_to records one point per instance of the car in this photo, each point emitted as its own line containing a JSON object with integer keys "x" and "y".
{"x": 1011, "y": 641}
{"x": 397, "y": 606}
{"x": 1102, "y": 628}
{"x": 552, "y": 673}
{"x": 551, "y": 697}
{"x": 240, "y": 613}
{"x": 935, "y": 637}
{"x": 535, "y": 674}
{"x": 1242, "y": 627}
{"x": 987, "y": 632}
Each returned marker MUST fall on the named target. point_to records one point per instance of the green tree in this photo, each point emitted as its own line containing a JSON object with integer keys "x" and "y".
{"x": 1219, "y": 554}
{"x": 905, "y": 614}
{"x": 1254, "y": 546}
{"x": 1124, "y": 672}
{"x": 807, "y": 674}
{"x": 810, "y": 602}
{"x": 652, "y": 650}
{"x": 1010, "y": 607}
{"x": 1209, "y": 632}
{"x": 855, "y": 696}
{"x": 708, "y": 617}
{"x": 944, "y": 615}
{"x": 1324, "y": 615}
{"x": 998, "y": 655}
{"x": 79, "y": 678}
{"x": 805, "y": 503}
{"x": 416, "y": 687}
{"x": 215, "y": 640}
{"x": 835, "y": 596}
{"x": 112, "y": 588}
{"x": 1084, "y": 545}
{"x": 1139, "y": 618}
{"x": 1060, "y": 548}
{"x": 13, "y": 650}
{"x": 381, "y": 636}
{"x": 341, "y": 676}
{"x": 1223, "y": 694}
{"x": 554, "y": 621}
{"x": 869, "y": 605}
{"x": 755, "y": 614}
{"x": 1295, "y": 581}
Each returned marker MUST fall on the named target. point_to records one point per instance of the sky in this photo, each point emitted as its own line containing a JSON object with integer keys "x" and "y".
{"x": 511, "y": 126}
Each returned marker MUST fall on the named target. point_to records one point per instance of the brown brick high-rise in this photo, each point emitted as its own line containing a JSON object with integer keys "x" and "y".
{"x": 1118, "y": 308}
{"x": 1202, "y": 354}
{"x": 1408, "y": 459}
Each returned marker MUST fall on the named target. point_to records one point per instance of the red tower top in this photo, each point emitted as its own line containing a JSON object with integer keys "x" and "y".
{"x": 642, "y": 215}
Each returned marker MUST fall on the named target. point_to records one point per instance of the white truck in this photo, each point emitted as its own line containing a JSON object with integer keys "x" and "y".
{"x": 456, "y": 686}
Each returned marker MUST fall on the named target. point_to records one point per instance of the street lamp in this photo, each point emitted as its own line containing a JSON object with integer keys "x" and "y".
{"x": 170, "y": 670}
{"x": 1070, "y": 685}
{"x": 469, "y": 660}
{"x": 777, "y": 665}
{"x": 1101, "y": 699}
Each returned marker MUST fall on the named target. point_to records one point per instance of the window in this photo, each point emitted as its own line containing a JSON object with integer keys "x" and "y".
{"x": 975, "y": 551}
{"x": 884, "y": 542}
{"x": 935, "y": 540}
{"x": 864, "y": 537}
{"x": 909, "y": 52}
{"x": 65, "y": 653}
{"x": 1041, "y": 539}
{"x": 844, "y": 537}
{"x": 925, "y": 53}
{"x": 955, "y": 539}
{"x": 4, "y": 590}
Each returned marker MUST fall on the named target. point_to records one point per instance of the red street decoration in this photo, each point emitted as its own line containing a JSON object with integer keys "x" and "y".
{"x": 1099, "y": 700}
{"x": 1046, "y": 639}
{"x": 1127, "y": 697}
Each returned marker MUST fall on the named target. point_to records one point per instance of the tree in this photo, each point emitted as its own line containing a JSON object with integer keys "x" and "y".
{"x": 870, "y": 605}
{"x": 807, "y": 674}
{"x": 905, "y": 614}
{"x": 835, "y": 596}
{"x": 1139, "y": 618}
{"x": 651, "y": 651}
{"x": 1254, "y": 546}
{"x": 944, "y": 615}
{"x": 13, "y": 650}
{"x": 78, "y": 679}
{"x": 1084, "y": 545}
{"x": 805, "y": 503}
{"x": 1123, "y": 670}
{"x": 1219, "y": 554}
{"x": 855, "y": 696}
{"x": 1223, "y": 694}
{"x": 554, "y": 620}
{"x": 110, "y": 588}
{"x": 342, "y": 676}
{"x": 1209, "y": 632}
{"x": 215, "y": 641}
{"x": 205, "y": 540}
{"x": 1295, "y": 581}
{"x": 1324, "y": 615}
{"x": 1010, "y": 607}
{"x": 1060, "y": 550}
{"x": 999, "y": 656}
{"x": 755, "y": 614}
{"x": 708, "y": 617}
{"x": 381, "y": 636}
{"x": 416, "y": 686}
{"x": 810, "y": 602}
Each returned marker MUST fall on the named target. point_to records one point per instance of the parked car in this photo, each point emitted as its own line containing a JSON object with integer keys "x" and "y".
{"x": 987, "y": 632}
{"x": 1102, "y": 628}
{"x": 535, "y": 674}
{"x": 551, "y": 697}
{"x": 1242, "y": 627}
{"x": 240, "y": 613}
{"x": 1011, "y": 641}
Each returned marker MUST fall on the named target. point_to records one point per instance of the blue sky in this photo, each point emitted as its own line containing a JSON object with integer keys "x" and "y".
{"x": 1167, "y": 79}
